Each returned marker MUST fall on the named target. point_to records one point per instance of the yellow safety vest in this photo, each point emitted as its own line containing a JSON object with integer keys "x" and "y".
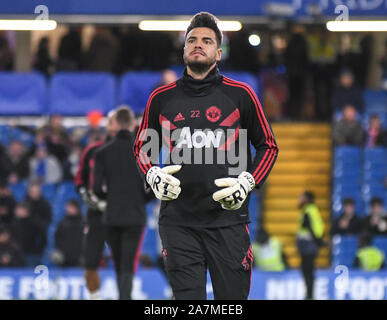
{"x": 370, "y": 258}
{"x": 269, "y": 257}
{"x": 316, "y": 222}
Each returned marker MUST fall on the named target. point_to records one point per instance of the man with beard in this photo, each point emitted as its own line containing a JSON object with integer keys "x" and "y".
{"x": 201, "y": 225}
{"x": 94, "y": 237}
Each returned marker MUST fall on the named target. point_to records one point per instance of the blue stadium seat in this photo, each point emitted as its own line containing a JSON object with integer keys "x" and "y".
{"x": 135, "y": 88}
{"x": 344, "y": 250}
{"x": 22, "y": 93}
{"x": 245, "y": 77}
{"x": 19, "y": 190}
{"x": 381, "y": 243}
{"x": 375, "y": 155}
{"x": 375, "y": 101}
{"x": 75, "y": 94}
{"x": 49, "y": 192}
{"x": 350, "y": 154}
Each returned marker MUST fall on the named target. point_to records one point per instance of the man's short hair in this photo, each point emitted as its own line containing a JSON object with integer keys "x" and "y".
{"x": 376, "y": 200}
{"x": 205, "y": 20}
{"x": 309, "y": 195}
{"x": 348, "y": 201}
{"x": 124, "y": 116}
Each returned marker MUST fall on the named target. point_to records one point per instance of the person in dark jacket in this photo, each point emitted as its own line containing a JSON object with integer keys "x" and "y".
{"x": 348, "y": 131}
{"x": 18, "y": 162}
{"x": 117, "y": 180}
{"x": 28, "y": 234}
{"x": 347, "y": 93}
{"x": 94, "y": 231}
{"x": 376, "y": 135}
{"x": 7, "y": 204}
{"x": 39, "y": 207}
{"x": 69, "y": 234}
{"x": 348, "y": 222}
{"x": 376, "y": 221}
{"x": 10, "y": 253}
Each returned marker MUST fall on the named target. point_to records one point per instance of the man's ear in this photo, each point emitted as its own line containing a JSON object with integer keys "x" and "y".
{"x": 219, "y": 54}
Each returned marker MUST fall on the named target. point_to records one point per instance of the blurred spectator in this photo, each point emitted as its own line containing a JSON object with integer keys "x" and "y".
{"x": 6, "y": 53}
{"x": 347, "y": 93}
{"x": 348, "y": 222}
{"x": 383, "y": 64}
{"x": 132, "y": 43}
{"x": 18, "y": 162}
{"x": 161, "y": 58}
{"x": 309, "y": 239}
{"x": 376, "y": 222}
{"x": 45, "y": 168}
{"x": 39, "y": 207}
{"x": 4, "y": 164}
{"x": 268, "y": 253}
{"x": 323, "y": 55}
{"x": 242, "y": 55}
{"x": 348, "y": 131}
{"x": 70, "y": 51}
{"x": 69, "y": 235}
{"x": 376, "y": 136}
{"x": 10, "y": 253}
{"x": 297, "y": 64}
{"x": 368, "y": 257}
{"x": 103, "y": 51}
{"x": 73, "y": 160}
{"x": 167, "y": 77}
{"x": 43, "y": 61}
{"x": 7, "y": 204}
{"x": 28, "y": 234}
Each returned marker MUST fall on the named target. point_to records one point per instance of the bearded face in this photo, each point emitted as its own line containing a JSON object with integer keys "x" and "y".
{"x": 201, "y": 50}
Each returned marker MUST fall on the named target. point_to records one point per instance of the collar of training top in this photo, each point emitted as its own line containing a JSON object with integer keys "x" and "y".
{"x": 201, "y": 87}
{"x": 123, "y": 134}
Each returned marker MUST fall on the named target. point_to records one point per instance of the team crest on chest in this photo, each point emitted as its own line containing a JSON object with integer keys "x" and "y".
{"x": 213, "y": 114}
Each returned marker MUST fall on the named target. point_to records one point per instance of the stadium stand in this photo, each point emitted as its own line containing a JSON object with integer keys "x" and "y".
{"x": 23, "y": 94}
{"x": 74, "y": 94}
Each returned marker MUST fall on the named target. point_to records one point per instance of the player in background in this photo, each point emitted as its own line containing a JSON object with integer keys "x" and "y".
{"x": 117, "y": 181}
{"x": 203, "y": 222}
{"x": 94, "y": 238}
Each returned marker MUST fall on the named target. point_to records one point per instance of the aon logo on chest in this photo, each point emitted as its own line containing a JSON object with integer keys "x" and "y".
{"x": 199, "y": 138}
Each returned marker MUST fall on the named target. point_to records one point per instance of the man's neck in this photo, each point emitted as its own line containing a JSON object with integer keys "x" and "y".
{"x": 199, "y": 76}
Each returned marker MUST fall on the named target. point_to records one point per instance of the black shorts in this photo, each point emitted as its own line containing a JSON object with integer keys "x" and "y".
{"x": 225, "y": 251}
{"x": 93, "y": 241}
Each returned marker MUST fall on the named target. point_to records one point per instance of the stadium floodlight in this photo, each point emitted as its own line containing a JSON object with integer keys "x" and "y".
{"x": 357, "y": 26}
{"x": 25, "y": 25}
{"x": 254, "y": 40}
{"x": 182, "y": 25}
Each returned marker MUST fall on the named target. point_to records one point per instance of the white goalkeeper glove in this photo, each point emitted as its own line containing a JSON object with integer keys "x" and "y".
{"x": 235, "y": 190}
{"x": 165, "y": 186}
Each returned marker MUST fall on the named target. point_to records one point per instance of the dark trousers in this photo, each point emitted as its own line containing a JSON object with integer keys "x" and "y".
{"x": 308, "y": 252}
{"x": 226, "y": 252}
{"x": 125, "y": 244}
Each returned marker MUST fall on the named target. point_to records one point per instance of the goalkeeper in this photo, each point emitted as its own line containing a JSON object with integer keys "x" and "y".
{"x": 204, "y": 215}
{"x": 94, "y": 237}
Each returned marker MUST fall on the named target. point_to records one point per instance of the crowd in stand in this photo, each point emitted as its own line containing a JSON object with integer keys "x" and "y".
{"x": 51, "y": 159}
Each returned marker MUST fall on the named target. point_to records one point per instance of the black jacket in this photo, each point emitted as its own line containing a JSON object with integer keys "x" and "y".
{"x": 213, "y": 104}
{"x": 40, "y": 210}
{"x": 12, "y": 250}
{"x": 7, "y": 205}
{"x": 29, "y": 235}
{"x": 116, "y": 169}
{"x": 68, "y": 239}
{"x": 85, "y": 174}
